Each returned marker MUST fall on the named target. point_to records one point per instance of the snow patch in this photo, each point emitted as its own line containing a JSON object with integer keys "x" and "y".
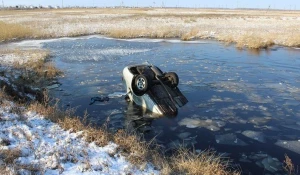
{"x": 45, "y": 145}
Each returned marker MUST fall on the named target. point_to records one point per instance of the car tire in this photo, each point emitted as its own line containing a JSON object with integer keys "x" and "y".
{"x": 141, "y": 83}
{"x": 172, "y": 78}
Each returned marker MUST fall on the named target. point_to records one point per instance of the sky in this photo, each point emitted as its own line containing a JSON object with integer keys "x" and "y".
{"x": 272, "y": 4}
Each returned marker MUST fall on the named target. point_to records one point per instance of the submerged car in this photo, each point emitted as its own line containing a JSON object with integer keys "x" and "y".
{"x": 148, "y": 86}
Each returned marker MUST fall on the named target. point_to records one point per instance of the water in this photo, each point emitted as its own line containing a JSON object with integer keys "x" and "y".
{"x": 242, "y": 104}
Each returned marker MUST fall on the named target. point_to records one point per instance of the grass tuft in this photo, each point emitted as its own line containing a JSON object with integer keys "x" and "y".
{"x": 132, "y": 144}
{"x": 190, "y": 162}
{"x": 10, "y": 155}
{"x": 193, "y": 33}
{"x": 293, "y": 40}
{"x": 288, "y": 166}
{"x": 253, "y": 41}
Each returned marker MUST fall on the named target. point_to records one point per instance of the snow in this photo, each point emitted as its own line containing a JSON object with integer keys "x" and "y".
{"x": 44, "y": 144}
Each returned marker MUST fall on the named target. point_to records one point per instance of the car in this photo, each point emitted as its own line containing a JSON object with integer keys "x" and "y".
{"x": 147, "y": 86}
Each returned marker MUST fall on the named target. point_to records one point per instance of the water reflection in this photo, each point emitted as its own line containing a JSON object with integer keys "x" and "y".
{"x": 257, "y": 52}
{"x": 140, "y": 119}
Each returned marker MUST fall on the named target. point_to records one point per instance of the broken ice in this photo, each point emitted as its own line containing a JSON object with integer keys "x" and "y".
{"x": 293, "y": 145}
{"x": 258, "y": 136}
{"x": 213, "y": 125}
{"x": 229, "y": 139}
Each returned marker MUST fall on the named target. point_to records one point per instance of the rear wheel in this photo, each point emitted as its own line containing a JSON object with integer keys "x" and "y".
{"x": 172, "y": 78}
{"x": 141, "y": 83}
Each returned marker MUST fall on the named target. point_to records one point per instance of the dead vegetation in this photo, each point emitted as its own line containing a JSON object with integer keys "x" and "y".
{"x": 32, "y": 62}
{"x": 10, "y": 155}
{"x": 289, "y": 167}
{"x": 8, "y": 166}
{"x": 14, "y": 31}
{"x": 26, "y": 71}
{"x": 206, "y": 162}
{"x": 247, "y": 28}
{"x": 253, "y": 41}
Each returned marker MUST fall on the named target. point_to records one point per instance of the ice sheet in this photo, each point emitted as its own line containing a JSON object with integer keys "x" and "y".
{"x": 255, "y": 135}
{"x": 213, "y": 125}
{"x": 292, "y": 145}
{"x": 229, "y": 139}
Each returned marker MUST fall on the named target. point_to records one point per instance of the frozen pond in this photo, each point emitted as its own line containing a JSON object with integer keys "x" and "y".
{"x": 244, "y": 105}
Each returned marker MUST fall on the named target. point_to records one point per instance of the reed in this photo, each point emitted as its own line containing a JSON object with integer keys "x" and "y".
{"x": 14, "y": 32}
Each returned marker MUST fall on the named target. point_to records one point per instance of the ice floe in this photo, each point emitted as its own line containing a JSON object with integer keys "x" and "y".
{"x": 229, "y": 139}
{"x": 116, "y": 94}
{"x": 292, "y": 126}
{"x": 269, "y": 163}
{"x": 259, "y": 120}
{"x": 213, "y": 125}
{"x": 255, "y": 135}
{"x": 292, "y": 145}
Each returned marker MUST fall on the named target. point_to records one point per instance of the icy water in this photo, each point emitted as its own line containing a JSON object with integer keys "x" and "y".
{"x": 242, "y": 104}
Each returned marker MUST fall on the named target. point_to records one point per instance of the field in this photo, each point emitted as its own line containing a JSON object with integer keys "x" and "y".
{"x": 246, "y": 28}
{"x": 253, "y": 29}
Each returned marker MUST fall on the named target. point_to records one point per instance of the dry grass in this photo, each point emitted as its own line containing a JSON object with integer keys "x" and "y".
{"x": 204, "y": 163}
{"x": 253, "y": 41}
{"x": 67, "y": 120}
{"x": 14, "y": 31}
{"x": 9, "y": 155}
{"x": 293, "y": 40}
{"x": 150, "y": 32}
{"x": 134, "y": 145}
{"x": 288, "y": 166}
{"x": 4, "y": 170}
{"x": 3, "y": 95}
{"x": 232, "y": 26}
{"x": 33, "y": 67}
{"x": 36, "y": 61}
{"x": 192, "y": 34}
{"x": 27, "y": 71}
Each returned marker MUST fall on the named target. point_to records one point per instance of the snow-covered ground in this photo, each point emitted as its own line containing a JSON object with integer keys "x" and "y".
{"x": 45, "y": 146}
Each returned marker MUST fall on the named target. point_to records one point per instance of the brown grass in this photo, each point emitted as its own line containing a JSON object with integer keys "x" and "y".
{"x": 293, "y": 40}
{"x": 231, "y": 26}
{"x": 192, "y": 34}
{"x": 132, "y": 32}
{"x": 4, "y": 170}
{"x": 38, "y": 62}
{"x": 132, "y": 144}
{"x": 14, "y": 31}
{"x": 253, "y": 41}
{"x": 288, "y": 166}
{"x": 9, "y": 155}
{"x": 34, "y": 66}
{"x": 31, "y": 71}
{"x": 206, "y": 163}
